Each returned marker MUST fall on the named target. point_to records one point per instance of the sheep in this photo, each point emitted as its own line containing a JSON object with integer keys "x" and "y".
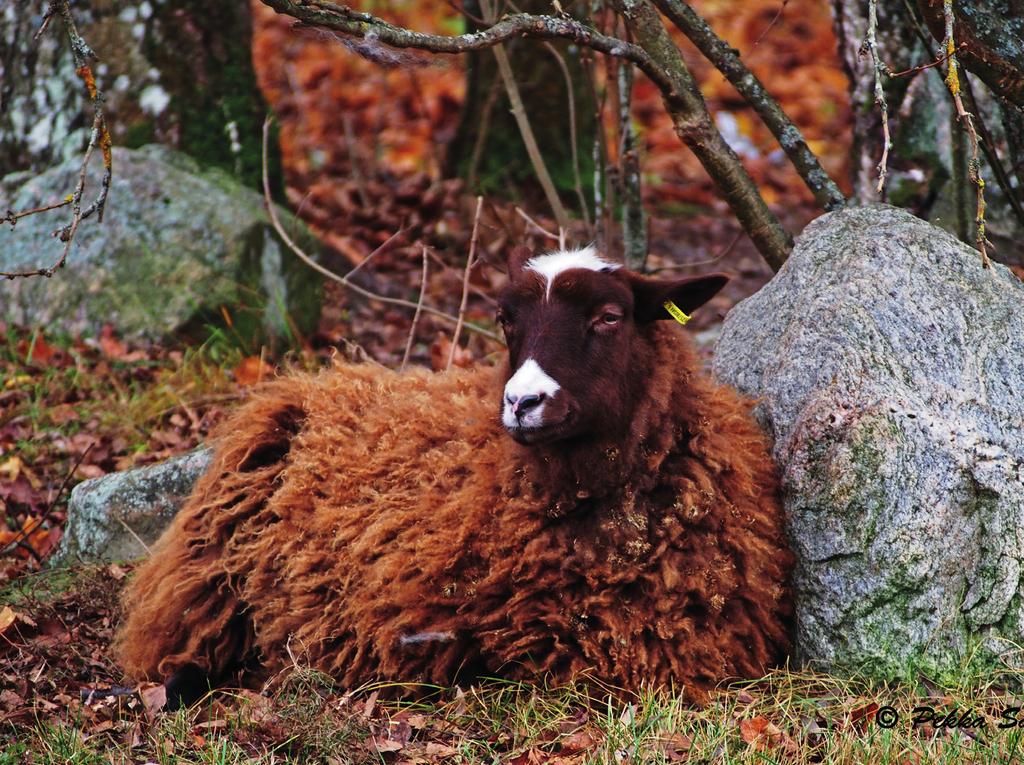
{"x": 594, "y": 506}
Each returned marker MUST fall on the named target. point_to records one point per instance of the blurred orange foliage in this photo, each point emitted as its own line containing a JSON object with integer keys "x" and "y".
{"x": 343, "y": 113}
{"x": 336, "y": 106}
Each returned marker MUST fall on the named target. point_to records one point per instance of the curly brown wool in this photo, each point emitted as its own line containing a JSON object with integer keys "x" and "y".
{"x": 379, "y": 526}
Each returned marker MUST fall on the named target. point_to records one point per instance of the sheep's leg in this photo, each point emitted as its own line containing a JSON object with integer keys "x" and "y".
{"x": 185, "y": 687}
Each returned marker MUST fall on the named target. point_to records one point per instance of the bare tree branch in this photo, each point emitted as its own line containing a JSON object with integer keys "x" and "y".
{"x": 470, "y": 262}
{"x": 988, "y": 46}
{"x": 99, "y": 136}
{"x": 967, "y": 123}
{"x": 988, "y": 146}
{"x": 416, "y": 316}
{"x": 694, "y": 126}
{"x": 573, "y": 136}
{"x": 870, "y": 46}
{"x": 525, "y": 129}
{"x": 727, "y": 61}
{"x": 375, "y": 30}
{"x": 305, "y": 258}
{"x": 634, "y": 219}
{"x": 655, "y": 55}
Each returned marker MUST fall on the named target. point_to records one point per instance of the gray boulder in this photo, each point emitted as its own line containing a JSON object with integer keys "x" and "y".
{"x": 177, "y": 250}
{"x": 890, "y": 371}
{"x": 118, "y": 516}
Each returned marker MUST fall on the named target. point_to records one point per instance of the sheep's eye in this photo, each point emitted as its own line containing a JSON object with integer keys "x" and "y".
{"x": 606, "y": 320}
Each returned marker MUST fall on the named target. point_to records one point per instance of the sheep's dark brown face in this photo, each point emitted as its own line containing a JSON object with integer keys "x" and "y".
{"x": 574, "y": 327}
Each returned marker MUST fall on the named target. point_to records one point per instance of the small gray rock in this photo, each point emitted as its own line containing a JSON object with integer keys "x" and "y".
{"x": 108, "y": 516}
{"x": 178, "y": 248}
{"x": 890, "y": 371}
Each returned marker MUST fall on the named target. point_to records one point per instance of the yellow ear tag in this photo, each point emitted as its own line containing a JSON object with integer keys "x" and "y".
{"x": 676, "y": 312}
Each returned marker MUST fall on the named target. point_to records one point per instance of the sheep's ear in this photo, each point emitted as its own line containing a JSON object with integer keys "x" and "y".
{"x": 687, "y": 295}
{"x": 517, "y": 258}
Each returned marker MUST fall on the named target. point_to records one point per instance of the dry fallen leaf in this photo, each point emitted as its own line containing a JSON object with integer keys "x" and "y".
{"x": 860, "y": 717}
{"x": 116, "y": 571}
{"x": 217, "y": 724}
{"x": 252, "y": 370}
{"x": 434, "y": 749}
{"x": 9, "y": 700}
{"x": 675, "y": 746}
{"x": 11, "y": 468}
{"x": 762, "y": 734}
{"x": 110, "y": 345}
{"x": 40, "y": 352}
{"x": 579, "y": 741}
{"x": 385, "y": 745}
{"x": 371, "y": 702}
{"x": 7, "y": 618}
{"x": 154, "y": 698}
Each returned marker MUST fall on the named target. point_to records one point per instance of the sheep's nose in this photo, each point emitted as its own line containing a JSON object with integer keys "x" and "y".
{"x": 523, "y": 404}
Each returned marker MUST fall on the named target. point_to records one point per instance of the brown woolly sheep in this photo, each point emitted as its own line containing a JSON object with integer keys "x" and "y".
{"x": 382, "y": 526}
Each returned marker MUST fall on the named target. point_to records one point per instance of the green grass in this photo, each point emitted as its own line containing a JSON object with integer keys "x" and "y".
{"x": 42, "y": 586}
{"x": 787, "y": 716}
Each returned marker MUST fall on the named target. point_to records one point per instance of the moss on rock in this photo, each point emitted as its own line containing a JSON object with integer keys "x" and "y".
{"x": 890, "y": 377}
{"x": 180, "y": 251}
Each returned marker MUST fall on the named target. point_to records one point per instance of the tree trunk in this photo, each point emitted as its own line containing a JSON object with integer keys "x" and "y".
{"x": 177, "y": 72}
{"x": 488, "y": 149}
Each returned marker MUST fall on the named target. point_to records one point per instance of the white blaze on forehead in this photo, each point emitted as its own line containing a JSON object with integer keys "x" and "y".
{"x": 529, "y": 380}
{"x": 551, "y": 265}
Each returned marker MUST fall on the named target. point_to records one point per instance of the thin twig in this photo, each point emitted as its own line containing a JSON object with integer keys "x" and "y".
{"x": 22, "y": 535}
{"x": 536, "y": 225}
{"x": 51, "y": 11}
{"x": 713, "y": 259}
{"x": 870, "y": 46}
{"x": 135, "y": 536}
{"x": 771, "y": 25}
{"x": 631, "y": 199}
{"x": 305, "y": 258}
{"x": 525, "y": 128}
{"x": 416, "y": 316}
{"x": 988, "y": 145}
{"x": 573, "y": 138}
{"x": 937, "y": 62}
{"x": 599, "y": 150}
{"x": 461, "y": 9}
{"x": 12, "y": 217}
{"x": 967, "y": 123}
{"x": 482, "y": 294}
{"x": 482, "y": 133}
{"x": 356, "y": 163}
{"x": 383, "y": 247}
{"x": 82, "y": 54}
{"x": 470, "y": 262}
{"x": 654, "y": 53}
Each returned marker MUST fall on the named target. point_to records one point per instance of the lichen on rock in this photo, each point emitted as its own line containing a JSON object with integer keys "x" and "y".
{"x": 889, "y": 367}
{"x": 117, "y": 516}
{"x": 179, "y": 249}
